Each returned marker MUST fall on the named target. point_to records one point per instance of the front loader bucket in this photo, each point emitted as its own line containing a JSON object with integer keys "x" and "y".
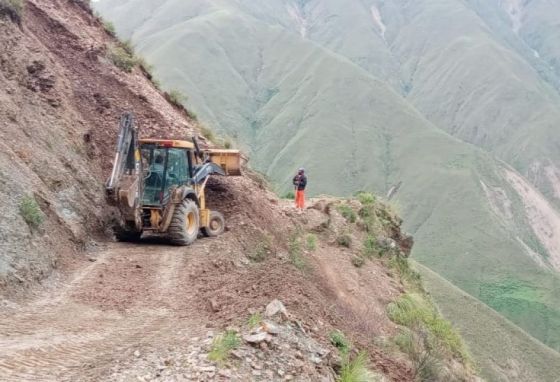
{"x": 228, "y": 160}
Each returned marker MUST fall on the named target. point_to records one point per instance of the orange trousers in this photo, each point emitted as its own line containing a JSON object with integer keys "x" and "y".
{"x": 300, "y": 199}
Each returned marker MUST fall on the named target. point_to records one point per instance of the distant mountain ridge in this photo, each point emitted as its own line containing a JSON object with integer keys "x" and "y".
{"x": 458, "y": 100}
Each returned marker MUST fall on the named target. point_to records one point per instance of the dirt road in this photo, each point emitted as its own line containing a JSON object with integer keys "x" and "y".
{"x": 125, "y": 300}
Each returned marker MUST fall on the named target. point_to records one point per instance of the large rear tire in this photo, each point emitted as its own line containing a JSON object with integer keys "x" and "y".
{"x": 216, "y": 226}
{"x": 185, "y": 223}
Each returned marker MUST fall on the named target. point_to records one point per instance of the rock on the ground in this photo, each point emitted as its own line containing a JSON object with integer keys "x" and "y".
{"x": 275, "y": 307}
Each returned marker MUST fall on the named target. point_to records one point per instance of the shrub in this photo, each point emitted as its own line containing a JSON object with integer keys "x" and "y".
{"x": 222, "y": 345}
{"x": 417, "y": 314}
{"x": 370, "y": 247}
{"x": 365, "y": 212}
{"x": 347, "y": 212}
{"x": 121, "y": 58}
{"x": 31, "y": 212}
{"x": 311, "y": 242}
{"x": 366, "y": 198}
{"x": 128, "y": 47}
{"x": 295, "y": 252}
{"x": 344, "y": 240}
{"x": 207, "y": 133}
{"x": 146, "y": 67}
{"x": 289, "y": 195}
{"x": 339, "y": 341}
{"x": 425, "y": 364}
{"x": 109, "y": 28}
{"x": 12, "y": 9}
{"x": 358, "y": 261}
{"x": 356, "y": 370}
{"x": 254, "y": 320}
{"x": 176, "y": 97}
{"x": 228, "y": 144}
{"x": 260, "y": 252}
{"x": 194, "y": 117}
{"x": 404, "y": 271}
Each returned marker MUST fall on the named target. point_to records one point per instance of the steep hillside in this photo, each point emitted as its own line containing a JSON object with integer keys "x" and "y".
{"x": 503, "y": 351}
{"x": 280, "y": 296}
{"x": 61, "y": 100}
{"x": 372, "y": 94}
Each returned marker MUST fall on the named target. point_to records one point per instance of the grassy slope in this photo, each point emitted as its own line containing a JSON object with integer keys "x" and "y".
{"x": 503, "y": 351}
{"x": 290, "y": 99}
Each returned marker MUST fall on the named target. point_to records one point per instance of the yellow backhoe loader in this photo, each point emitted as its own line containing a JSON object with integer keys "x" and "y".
{"x": 159, "y": 186}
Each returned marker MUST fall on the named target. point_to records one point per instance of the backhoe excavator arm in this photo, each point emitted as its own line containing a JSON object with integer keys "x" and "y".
{"x": 124, "y": 187}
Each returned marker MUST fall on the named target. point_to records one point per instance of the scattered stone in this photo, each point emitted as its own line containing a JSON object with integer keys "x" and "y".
{"x": 275, "y": 307}
{"x": 137, "y": 353}
{"x": 225, "y": 373}
{"x": 214, "y": 305}
{"x": 270, "y": 327}
{"x": 315, "y": 359}
{"x": 257, "y": 338}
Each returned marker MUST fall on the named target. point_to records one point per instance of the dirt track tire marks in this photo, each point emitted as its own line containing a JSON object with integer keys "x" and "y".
{"x": 73, "y": 334}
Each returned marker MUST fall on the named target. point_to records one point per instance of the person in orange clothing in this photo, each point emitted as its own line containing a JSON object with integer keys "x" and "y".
{"x": 300, "y": 182}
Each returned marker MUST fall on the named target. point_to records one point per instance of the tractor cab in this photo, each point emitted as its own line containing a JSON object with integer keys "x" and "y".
{"x": 165, "y": 164}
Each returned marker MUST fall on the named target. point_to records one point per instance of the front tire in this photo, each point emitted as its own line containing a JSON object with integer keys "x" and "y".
{"x": 185, "y": 223}
{"x": 216, "y": 225}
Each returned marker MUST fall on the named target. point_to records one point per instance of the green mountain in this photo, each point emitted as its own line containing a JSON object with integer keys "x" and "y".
{"x": 458, "y": 101}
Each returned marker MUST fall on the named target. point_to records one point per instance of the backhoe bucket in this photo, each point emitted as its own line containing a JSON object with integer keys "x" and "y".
{"x": 228, "y": 160}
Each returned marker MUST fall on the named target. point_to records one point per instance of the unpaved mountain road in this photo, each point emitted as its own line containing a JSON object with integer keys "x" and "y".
{"x": 128, "y": 298}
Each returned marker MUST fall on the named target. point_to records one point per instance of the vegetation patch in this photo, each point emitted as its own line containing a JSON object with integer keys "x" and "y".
{"x": 177, "y": 98}
{"x": 347, "y": 212}
{"x": 405, "y": 272}
{"x": 254, "y": 320}
{"x": 207, "y": 132}
{"x": 366, "y": 198}
{"x": 311, "y": 242}
{"x": 109, "y": 28}
{"x": 227, "y": 143}
{"x": 428, "y": 339}
{"x": 355, "y": 370}
{"x": 289, "y": 195}
{"x": 296, "y": 253}
{"x": 261, "y": 251}
{"x": 31, "y": 212}
{"x": 339, "y": 341}
{"x": 425, "y": 364}
{"x": 12, "y": 9}
{"x": 358, "y": 261}
{"x": 122, "y": 58}
{"x": 344, "y": 240}
{"x": 351, "y": 369}
{"x": 222, "y": 346}
{"x": 370, "y": 248}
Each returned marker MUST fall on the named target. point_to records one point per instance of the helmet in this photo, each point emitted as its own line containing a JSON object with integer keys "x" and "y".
{"x": 301, "y": 169}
